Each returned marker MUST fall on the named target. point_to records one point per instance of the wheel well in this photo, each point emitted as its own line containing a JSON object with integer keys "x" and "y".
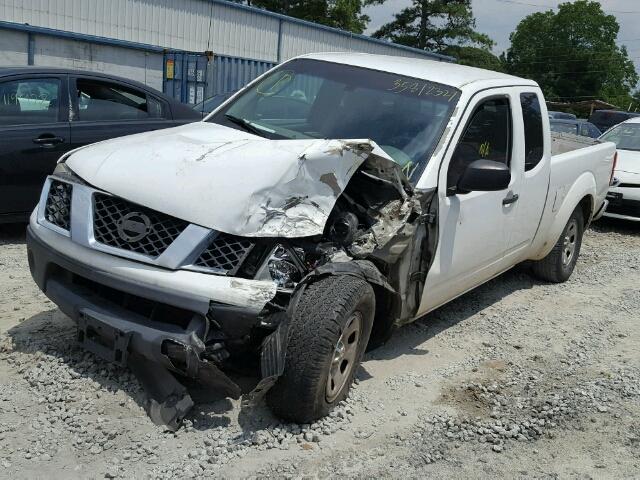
{"x": 385, "y": 317}
{"x": 586, "y": 204}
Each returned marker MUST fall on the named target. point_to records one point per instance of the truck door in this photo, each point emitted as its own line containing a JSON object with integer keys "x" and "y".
{"x": 472, "y": 226}
{"x": 34, "y": 133}
{"x": 531, "y": 163}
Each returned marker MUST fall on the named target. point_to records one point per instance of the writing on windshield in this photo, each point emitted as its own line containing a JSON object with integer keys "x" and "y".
{"x": 422, "y": 88}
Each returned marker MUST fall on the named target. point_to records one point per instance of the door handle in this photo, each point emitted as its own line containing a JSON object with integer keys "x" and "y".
{"x": 511, "y": 198}
{"x": 48, "y": 140}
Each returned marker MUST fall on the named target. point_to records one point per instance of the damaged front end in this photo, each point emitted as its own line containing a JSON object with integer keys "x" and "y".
{"x": 326, "y": 208}
{"x": 380, "y": 229}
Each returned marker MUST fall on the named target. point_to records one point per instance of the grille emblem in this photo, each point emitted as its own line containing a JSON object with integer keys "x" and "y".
{"x": 133, "y": 226}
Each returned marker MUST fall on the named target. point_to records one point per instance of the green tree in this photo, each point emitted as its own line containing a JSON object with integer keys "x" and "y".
{"x": 636, "y": 102}
{"x": 434, "y": 25}
{"x": 343, "y": 14}
{"x": 474, "y": 57}
{"x": 572, "y": 54}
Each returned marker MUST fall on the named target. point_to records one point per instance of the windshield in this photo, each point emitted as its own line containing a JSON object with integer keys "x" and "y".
{"x": 626, "y": 136}
{"x": 313, "y": 99}
{"x": 210, "y": 104}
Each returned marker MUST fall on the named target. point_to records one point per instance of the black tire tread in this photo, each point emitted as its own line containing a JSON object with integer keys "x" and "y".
{"x": 549, "y": 268}
{"x": 314, "y": 329}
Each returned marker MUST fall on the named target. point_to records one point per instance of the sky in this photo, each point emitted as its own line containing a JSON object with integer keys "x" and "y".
{"x": 498, "y": 18}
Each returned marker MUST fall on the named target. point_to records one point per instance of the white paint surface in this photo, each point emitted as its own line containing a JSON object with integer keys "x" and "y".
{"x": 225, "y": 179}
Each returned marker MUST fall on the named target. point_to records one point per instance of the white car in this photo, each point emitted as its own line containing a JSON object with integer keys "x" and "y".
{"x": 301, "y": 229}
{"x": 624, "y": 194}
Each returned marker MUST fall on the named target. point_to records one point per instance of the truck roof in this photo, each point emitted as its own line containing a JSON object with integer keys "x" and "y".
{"x": 440, "y": 72}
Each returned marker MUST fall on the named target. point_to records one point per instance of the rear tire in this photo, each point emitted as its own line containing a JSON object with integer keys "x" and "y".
{"x": 558, "y": 265}
{"x": 328, "y": 333}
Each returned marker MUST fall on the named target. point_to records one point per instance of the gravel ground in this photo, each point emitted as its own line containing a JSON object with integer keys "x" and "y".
{"x": 515, "y": 379}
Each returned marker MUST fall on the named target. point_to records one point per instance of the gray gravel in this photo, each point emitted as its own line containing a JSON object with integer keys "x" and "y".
{"x": 517, "y": 379}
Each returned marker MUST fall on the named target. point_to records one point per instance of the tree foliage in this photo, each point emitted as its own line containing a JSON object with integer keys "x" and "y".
{"x": 434, "y": 25}
{"x": 474, "y": 57}
{"x": 343, "y": 14}
{"x": 635, "y": 107}
{"x": 572, "y": 54}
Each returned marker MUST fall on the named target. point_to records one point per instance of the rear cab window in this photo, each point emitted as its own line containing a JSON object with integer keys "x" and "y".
{"x": 533, "y": 130}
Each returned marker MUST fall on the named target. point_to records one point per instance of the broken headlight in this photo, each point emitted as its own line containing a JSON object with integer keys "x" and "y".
{"x": 64, "y": 172}
{"x": 284, "y": 266}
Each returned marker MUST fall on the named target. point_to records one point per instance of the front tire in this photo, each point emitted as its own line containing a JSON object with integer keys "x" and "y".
{"x": 558, "y": 265}
{"x": 328, "y": 334}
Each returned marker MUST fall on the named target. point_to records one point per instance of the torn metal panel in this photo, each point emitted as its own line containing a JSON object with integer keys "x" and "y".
{"x": 391, "y": 221}
{"x": 168, "y": 400}
{"x": 231, "y": 181}
{"x": 272, "y": 361}
{"x": 359, "y": 268}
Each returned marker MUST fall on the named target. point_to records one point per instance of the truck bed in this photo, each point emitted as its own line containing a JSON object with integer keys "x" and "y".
{"x": 566, "y": 142}
{"x": 579, "y": 166}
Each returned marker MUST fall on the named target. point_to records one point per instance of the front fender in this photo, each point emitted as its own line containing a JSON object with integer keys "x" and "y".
{"x": 561, "y": 205}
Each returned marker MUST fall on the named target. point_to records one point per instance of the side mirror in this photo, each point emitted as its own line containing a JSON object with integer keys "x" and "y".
{"x": 484, "y": 176}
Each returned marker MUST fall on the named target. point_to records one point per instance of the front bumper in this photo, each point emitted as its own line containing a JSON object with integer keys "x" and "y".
{"x": 122, "y": 294}
{"x": 152, "y": 316}
{"x": 624, "y": 203}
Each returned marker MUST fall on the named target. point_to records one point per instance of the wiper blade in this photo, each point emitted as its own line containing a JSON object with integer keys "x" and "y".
{"x": 244, "y": 123}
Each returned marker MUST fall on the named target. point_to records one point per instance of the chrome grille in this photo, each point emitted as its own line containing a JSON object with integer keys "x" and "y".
{"x": 225, "y": 254}
{"x": 57, "y": 210}
{"x": 110, "y": 214}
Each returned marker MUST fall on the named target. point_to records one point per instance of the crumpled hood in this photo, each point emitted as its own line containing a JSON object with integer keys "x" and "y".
{"x": 228, "y": 180}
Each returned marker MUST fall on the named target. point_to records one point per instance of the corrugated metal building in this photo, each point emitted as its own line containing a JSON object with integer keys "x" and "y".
{"x": 163, "y": 42}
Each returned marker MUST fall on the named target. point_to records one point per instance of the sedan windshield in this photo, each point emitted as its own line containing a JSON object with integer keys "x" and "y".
{"x": 626, "y": 136}
{"x": 313, "y": 99}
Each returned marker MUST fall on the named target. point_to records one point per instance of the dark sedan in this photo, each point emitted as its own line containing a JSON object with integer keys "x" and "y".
{"x": 45, "y": 112}
{"x": 576, "y": 127}
{"x": 605, "y": 119}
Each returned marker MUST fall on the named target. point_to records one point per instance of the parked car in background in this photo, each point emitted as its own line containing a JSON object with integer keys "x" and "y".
{"x": 624, "y": 194}
{"x": 332, "y": 199}
{"x": 45, "y": 112}
{"x": 561, "y": 115}
{"x": 207, "y": 106}
{"x": 576, "y": 127}
{"x": 605, "y": 119}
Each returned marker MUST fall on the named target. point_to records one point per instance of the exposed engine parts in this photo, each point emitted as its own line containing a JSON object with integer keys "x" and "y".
{"x": 343, "y": 228}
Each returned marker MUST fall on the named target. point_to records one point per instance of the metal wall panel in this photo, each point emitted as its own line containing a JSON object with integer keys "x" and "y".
{"x": 227, "y": 74}
{"x": 193, "y": 25}
{"x": 185, "y": 76}
{"x": 13, "y": 48}
{"x": 359, "y": 45}
{"x": 298, "y": 39}
{"x": 144, "y": 67}
{"x": 244, "y": 34}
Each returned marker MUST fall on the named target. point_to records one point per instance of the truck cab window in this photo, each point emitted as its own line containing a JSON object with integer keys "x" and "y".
{"x": 533, "y": 136}
{"x": 487, "y": 136}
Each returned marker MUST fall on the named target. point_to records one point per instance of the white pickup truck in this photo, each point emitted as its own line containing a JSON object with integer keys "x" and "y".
{"x": 332, "y": 199}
